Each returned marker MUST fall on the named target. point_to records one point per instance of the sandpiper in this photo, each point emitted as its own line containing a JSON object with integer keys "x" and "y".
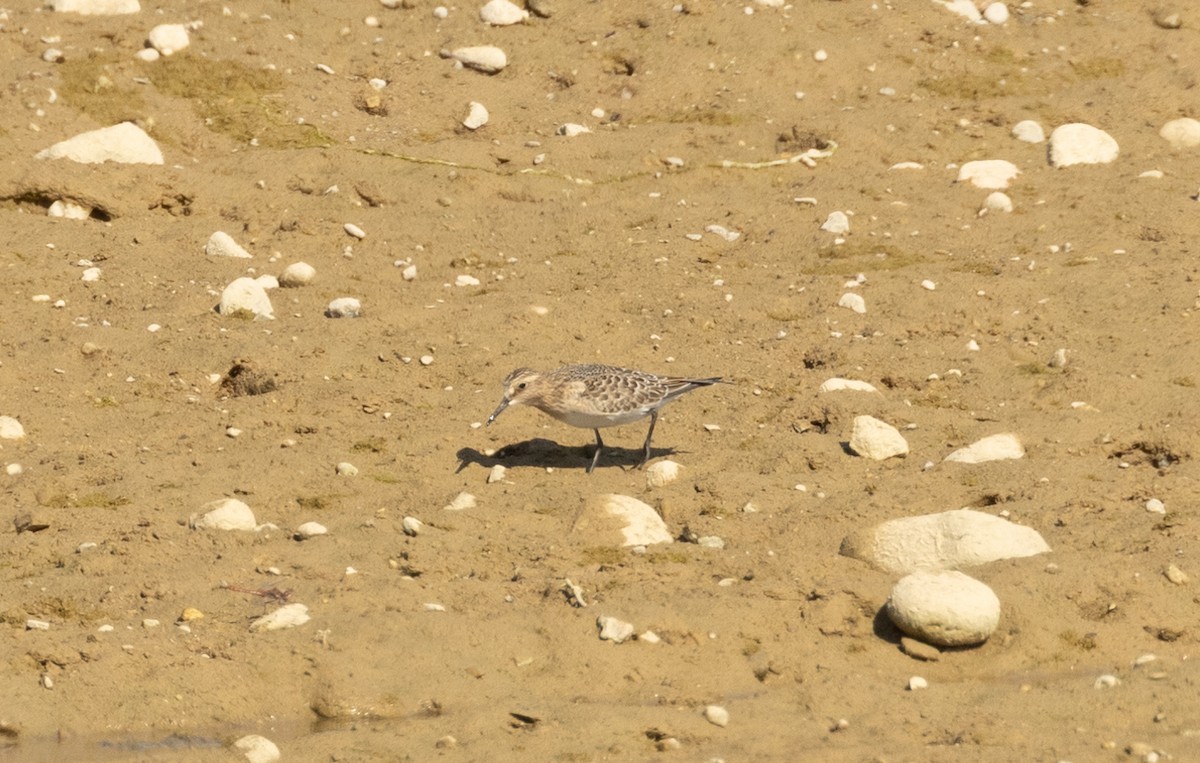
{"x": 596, "y": 396}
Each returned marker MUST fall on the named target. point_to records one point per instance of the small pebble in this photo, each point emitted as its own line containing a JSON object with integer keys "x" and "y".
{"x": 461, "y": 501}
{"x": 1155, "y": 506}
{"x": 1176, "y": 575}
{"x": 344, "y": 307}
{"x": 310, "y": 530}
{"x": 1106, "y": 681}
{"x": 346, "y": 469}
{"x": 497, "y": 474}
{"x": 917, "y": 682}
{"x": 614, "y": 630}
{"x": 36, "y": 625}
{"x": 355, "y": 231}
{"x": 426, "y": 360}
{"x": 412, "y": 526}
{"x": 716, "y": 715}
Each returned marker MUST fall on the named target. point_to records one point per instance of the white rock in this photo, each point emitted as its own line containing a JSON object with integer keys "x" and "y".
{"x": 662, "y": 473}
{"x": 907, "y": 166}
{"x": 311, "y": 530}
{"x": 466, "y": 280}
{"x": 996, "y": 13}
{"x": 875, "y": 439}
{"x": 344, "y": 307}
{"x": 837, "y": 384}
{"x": 997, "y": 447}
{"x": 917, "y": 683}
{"x": 1078, "y": 143}
{"x": 502, "y": 13}
{"x": 355, "y": 231}
{"x": 497, "y": 474}
{"x": 620, "y": 520}
{"x": 412, "y": 526}
{"x": 96, "y": 7}
{"x": 150, "y": 622}
{"x": 571, "y": 129}
{"x": 852, "y": 301}
{"x": 1106, "y": 681}
{"x": 268, "y": 281}
{"x": 168, "y": 38}
{"x": 345, "y": 469}
{"x": 461, "y": 501}
{"x": 836, "y": 222}
{"x": 125, "y": 143}
{"x": 297, "y": 274}
{"x": 614, "y": 630}
{"x": 287, "y": 616}
{"x": 10, "y": 428}
{"x": 964, "y": 8}
{"x": 409, "y": 273}
{"x": 944, "y": 608}
{"x": 33, "y": 624}
{"x": 485, "y": 58}
{"x": 1181, "y": 133}
{"x": 996, "y": 201}
{"x": 928, "y": 285}
{"x": 257, "y": 749}
{"x": 1028, "y": 131}
{"x": 988, "y": 173}
{"x": 225, "y": 514}
{"x": 1155, "y": 506}
{"x": 149, "y": 55}
{"x": 716, "y": 715}
{"x": 68, "y": 210}
{"x": 221, "y": 244}
{"x": 246, "y": 294}
{"x": 723, "y": 232}
{"x": 91, "y": 275}
{"x": 477, "y": 116}
{"x": 947, "y": 540}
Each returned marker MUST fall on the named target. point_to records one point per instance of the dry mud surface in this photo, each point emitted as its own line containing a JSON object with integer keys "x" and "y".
{"x": 584, "y": 257}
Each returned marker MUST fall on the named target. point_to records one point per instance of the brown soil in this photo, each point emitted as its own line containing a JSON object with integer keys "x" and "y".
{"x": 127, "y": 428}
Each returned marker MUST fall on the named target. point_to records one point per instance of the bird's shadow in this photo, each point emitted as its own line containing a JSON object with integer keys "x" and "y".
{"x": 542, "y": 453}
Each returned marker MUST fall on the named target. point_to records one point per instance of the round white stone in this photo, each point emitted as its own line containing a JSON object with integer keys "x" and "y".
{"x": 1029, "y": 131}
{"x": 10, "y": 428}
{"x": 246, "y": 295}
{"x": 996, "y": 201}
{"x": 988, "y": 173}
{"x": 716, "y": 715}
{"x": 477, "y": 116}
{"x": 996, "y": 13}
{"x": 502, "y": 13}
{"x": 344, "y": 307}
{"x": 297, "y": 274}
{"x": 221, "y": 244}
{"x": 1077, "y": 143}
{"x": 257, "y": 749}
{"x": 875, "y": 439}
{"x": 944, "y": 608}
{"x": 69, "y": 210}
{"x": 662, "y": 473}
{"x": 168, "y": 38}
{"x": 1181, "y": 133}
{"x": 485, "y": 58}
{"x": 852, "y": 301}
{"x": 226, "y": 514}
{"x": 311, "y": 530}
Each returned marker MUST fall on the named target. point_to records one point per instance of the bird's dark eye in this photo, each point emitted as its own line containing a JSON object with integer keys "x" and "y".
{"x": 521, "y": 385}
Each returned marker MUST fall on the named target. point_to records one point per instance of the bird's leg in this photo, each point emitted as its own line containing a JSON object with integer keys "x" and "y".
{"x": 596, "y": 455}
{"x": 646, "y": 447}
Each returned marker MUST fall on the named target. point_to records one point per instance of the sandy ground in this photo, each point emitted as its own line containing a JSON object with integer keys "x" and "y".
{"x": 584, "y": 256}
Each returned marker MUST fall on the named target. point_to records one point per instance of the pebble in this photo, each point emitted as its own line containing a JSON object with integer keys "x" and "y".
{"x": 917, "y": 682}
{"x": 425, "y": 360}
{"x": 662, "y": 473}
{"x": 150, "y": 622}
{"x": 225, "y": 514}
{"x": 297, "y": 274}
{"x": 928, "y": 285}
{"x": 1106, "y": 681}
{"x": 246, "y": 295}
{"x": 989, "y": 174}
{"x": 919, "y": 650}
{"x": 716, "y": 715}
{"x": 91, "y": 275}
{"x": 221, "y": 244}
{"x": 637, "y": 523}
{"x": 344, "y": 307}
{"x": 996, "y": 13}
{"x": 68, "y": 210}
{"x": 477, "y": 116}
{"x": 1181, "y": 133}
{"x": 875, "y": 439}
{"x": 461, "y": 501}
{"x": 996, "y": 201}
{"x": 1155, "y": 506}
{"x": 1079, "y": 143}
{"x": 997, "y": 447}
{"x": 1166, "y": 18}
{"x": 571, "y": 129}
{"x": 1029, "y": 131}
{"x": 466, "y": 280}
{"x": 483, "y": 58}
{"x": 125, "y": 143}
{"x": 36, "y": 625}
{"x": 1176, "y": 575}
{"x": 502, "y": 13}
{"x": 946, "y": 540}
{"x": 10, "y": 428}
{"x": 287, "y": 616}
{"x": 13, "y": 470}
{"x": 310, "y": 530}
{"x": 836, "y": 222}
{"x": 964, "y": 8}
{"x": 190, "y": 614}
{"x": 838, "y": 384}
{"x": 497, "y": 474}
{"x": 945, "y": 608}
{"x": 346, "y": 469}
{"x": 412, "y": 526}
{"x": 723, "y": 232}
{"x": 168, "y": 38}
{"x": 614, "y": 630}
{"x": 852, "y": 301}
{"x": 257, "y": 749}
{"x": 96, "y": 7}
{"x": 354, "y": 230}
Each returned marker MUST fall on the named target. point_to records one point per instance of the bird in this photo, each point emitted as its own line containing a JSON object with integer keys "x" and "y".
{"x": 593, "y": 396}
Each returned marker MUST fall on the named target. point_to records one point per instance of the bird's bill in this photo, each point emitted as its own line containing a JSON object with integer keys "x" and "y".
{"x": 499, "y": 409}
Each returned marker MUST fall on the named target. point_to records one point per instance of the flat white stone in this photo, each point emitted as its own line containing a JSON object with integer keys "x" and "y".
{"x": 836, "y": 222}
{"x": 662, "y": 473}
{"x": 497, "y": 474}
{"x": 96, "y": 7}
{"x": 1029, "y": 131}
{"x": 344, "y": 307}
{"x": 168, "y": 38}
{"x": 614, "y": 630}
{"x": 944, "y": 608}
{"x": 311, "y": 530}
{"x": 125, "y": 143}
{"x": 287, "y": 616}
{"x": 991, "y": 174}
{"x": 1181, "y": 133}
{"x": 964, "y": 8}
{"x": 10, "y": 428}
{"x": 852, "y": 301}
{"x": 221, "y": 244}
{"x": 838, "y": 384}
{"x": 477, "y": 116}
{"x": 620, "y": 520}
{"x": 1078, "y": 143}
{"x": 257, "y": 749}
{"x": 875, "y": 439}
{"x": 297, "y": 274}
{"x": 225, "y": 514}
{"x": 907, "y": 166}
{"x": 246, "y": 294}
{"x": 947, "y": 540}
{"x": 485, "y": 58}
{"x": 997, "y": 447}
{"x": 461, "y": 501}
{"x": 571, "y": 129}
{"x": 502, "y": 13}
